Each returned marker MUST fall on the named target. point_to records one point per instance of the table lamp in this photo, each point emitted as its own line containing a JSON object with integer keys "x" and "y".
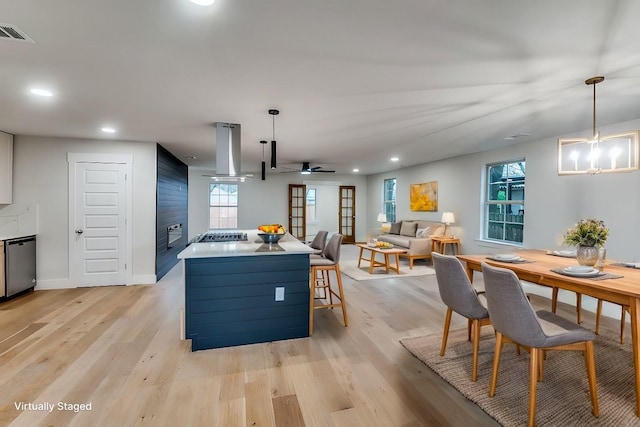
{"x": 448, "y": 218}
{"x": 384, "y": 225}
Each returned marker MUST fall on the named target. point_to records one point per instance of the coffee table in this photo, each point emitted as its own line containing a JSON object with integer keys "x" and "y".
{"x": 386, "y": 252}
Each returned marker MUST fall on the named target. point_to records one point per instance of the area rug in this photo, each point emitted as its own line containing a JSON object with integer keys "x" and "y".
{"x": 563, "y": 396}
{"x": 351, "y": 269}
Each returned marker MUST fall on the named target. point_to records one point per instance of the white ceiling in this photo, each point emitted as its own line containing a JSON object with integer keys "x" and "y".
{"x": 355, "y": 81}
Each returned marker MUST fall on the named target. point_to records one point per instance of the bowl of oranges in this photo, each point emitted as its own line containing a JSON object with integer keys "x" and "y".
{"x": 271, "y": 233}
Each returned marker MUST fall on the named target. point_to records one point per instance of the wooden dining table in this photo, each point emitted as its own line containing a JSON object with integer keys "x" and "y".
{"x": 538, "y": 269}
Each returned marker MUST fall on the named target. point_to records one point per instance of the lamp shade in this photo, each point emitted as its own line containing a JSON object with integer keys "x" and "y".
{"x": 448, "y": 218}
{"x": 382, "y": 217}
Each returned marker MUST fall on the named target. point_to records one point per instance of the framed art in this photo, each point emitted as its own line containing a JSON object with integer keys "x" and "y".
{"x": 424, "y": 197}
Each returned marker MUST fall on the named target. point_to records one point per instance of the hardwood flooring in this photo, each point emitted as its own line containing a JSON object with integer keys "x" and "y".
{"x": 118, "y": 350}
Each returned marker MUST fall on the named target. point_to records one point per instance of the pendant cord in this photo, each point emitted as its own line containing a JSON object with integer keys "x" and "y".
{"x": 594, "y": 110}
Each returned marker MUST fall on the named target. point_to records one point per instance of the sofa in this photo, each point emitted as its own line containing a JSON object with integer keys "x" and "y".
{"x": 414, "y": 236}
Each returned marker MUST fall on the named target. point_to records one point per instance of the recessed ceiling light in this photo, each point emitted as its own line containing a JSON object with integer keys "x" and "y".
{"x": 107, "y": 129}
{"x": 356, "y": 170}
{"x": 203, "y": 2}
{"x": 190, "y": 157}
{"x": 394, "y": 159}
{"x": 41, "y": 92}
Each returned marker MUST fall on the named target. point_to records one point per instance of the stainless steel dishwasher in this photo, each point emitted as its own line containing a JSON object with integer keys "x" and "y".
{"x": 20, "y": 264}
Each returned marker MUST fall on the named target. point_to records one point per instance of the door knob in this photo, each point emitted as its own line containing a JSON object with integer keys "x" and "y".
{"x": 79, "y": 231}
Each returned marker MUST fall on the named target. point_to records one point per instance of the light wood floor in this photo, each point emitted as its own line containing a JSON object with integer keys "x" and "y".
{"x": 118, "y": 348}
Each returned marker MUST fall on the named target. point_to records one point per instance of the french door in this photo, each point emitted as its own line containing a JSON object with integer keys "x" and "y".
{"x": 297, "y": 211}
{"x": 347, "y": 213}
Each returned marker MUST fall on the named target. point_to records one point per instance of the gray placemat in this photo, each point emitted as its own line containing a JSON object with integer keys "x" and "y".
{"x": 561, "y": 255}
{"x": 602, "y": 276}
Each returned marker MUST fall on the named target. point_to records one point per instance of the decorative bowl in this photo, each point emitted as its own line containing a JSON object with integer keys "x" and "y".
{"x": 270, "y": 237}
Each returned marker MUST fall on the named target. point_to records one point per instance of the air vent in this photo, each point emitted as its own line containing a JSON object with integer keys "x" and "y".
{"x": 11, "y": 32}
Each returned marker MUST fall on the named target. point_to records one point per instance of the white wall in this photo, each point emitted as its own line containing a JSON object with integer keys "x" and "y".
{"x": 265, "y": 202}
{"x": 552, "y": 203}
{"x": 40, "y": 178}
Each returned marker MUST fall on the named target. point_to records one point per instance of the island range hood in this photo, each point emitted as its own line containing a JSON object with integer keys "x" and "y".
{"x": 228, "y": 154}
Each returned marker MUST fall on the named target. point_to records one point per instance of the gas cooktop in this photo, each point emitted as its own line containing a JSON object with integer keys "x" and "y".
{"x": 224, "y": 236}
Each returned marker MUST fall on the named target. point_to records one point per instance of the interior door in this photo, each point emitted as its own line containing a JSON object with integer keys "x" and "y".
{"x": 297, "y": 210}
{"x": 347, "y": 213}
{"x": 99, "y": 224}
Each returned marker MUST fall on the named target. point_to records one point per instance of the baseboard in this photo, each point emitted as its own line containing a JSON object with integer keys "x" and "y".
{"x": 140, "y": 279}
{"x": 143, "y": 279}
{"x": 54, "y": 284}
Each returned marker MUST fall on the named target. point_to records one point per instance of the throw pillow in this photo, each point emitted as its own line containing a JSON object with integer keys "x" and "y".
{"x": 395, "y": 228}
{"x": 408, "y": 228}
{"x": 423, "y": 233}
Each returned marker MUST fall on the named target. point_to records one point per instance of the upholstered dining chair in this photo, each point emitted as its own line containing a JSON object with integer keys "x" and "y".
{"x": 329, "y": 261}
{"x": 319, "y": 241}
{"x": 458, "y": 294}
{"x": 625, "y": 309}
{"x": 515, "y": 321}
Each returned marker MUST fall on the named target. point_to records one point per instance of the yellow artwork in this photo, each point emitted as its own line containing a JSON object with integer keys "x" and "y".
{"x": 424, "y": 197}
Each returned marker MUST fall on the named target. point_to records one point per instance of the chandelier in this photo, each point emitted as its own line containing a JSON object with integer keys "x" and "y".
{"x": 598, "y": 153}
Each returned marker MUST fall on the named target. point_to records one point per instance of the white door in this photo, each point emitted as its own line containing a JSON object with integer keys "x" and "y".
{"x": 98, "y": 224}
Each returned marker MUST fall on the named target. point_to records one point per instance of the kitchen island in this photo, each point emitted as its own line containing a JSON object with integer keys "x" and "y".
{"x": 245, "y": 292}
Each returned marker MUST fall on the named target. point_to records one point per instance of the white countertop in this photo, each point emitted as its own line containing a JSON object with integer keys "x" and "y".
{"x": 248, "y": 248}
{"x": 9, "y": 236}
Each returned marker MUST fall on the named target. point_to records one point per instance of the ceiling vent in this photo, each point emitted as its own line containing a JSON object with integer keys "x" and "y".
{"x": 11, "y": 32}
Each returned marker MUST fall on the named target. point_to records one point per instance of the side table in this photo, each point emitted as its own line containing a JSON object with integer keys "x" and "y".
{"x": 439, "y": 244}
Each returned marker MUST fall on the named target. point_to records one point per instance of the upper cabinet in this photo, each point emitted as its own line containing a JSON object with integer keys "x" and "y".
{"x": 6, "y": 168}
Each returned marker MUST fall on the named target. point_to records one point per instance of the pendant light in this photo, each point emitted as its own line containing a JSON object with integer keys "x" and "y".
{"x": 264, "y": 164}
{"x": 273, "y": 113}
{"x": 618, "y": 152}
{"x": 595, "y": 149}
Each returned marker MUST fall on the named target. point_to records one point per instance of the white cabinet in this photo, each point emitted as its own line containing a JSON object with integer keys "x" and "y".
{"x": 6, "y": 168}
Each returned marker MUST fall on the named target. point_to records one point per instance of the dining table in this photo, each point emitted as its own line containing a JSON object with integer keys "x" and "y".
{"x": 536, "y": 266}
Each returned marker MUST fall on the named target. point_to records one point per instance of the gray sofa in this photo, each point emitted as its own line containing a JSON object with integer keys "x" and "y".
{"x": 414, "y": 236}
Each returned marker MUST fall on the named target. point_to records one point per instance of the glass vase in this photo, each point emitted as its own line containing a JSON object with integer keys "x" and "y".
{"x": 587, "y": 255}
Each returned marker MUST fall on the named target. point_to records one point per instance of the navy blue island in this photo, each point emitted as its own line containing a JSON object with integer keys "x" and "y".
{"x": 245, "y": 292}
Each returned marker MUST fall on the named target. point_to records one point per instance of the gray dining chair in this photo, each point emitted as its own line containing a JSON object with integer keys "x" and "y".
{"x": 515, "y": 321}
{"x": 623, "y": 322}
{"x": 319, "y": 241}
{"x": 329, "y": 261}
{"x": 458, "y": 294}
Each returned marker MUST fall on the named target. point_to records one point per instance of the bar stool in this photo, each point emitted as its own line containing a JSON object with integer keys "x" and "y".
{"x": 330, "y": 261}
{"x": 319, "y": 242}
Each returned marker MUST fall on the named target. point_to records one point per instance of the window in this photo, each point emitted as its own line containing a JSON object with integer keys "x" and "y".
{"x": 311, "y": 205}
{"x": 223, "y": 206}
{"x": 389, "y": 207}
{"x": 504, "y": 213}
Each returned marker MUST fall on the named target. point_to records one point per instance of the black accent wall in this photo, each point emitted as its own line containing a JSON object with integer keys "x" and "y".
{"x": 172, "y": 202}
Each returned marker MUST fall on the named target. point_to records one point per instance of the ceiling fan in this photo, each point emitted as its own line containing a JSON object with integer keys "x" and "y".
{"x": 307, "y": 169}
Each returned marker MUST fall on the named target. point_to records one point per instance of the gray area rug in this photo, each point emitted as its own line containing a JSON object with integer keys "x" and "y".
{"x": 349, "y": 266}
{"x": 563, "y": 396}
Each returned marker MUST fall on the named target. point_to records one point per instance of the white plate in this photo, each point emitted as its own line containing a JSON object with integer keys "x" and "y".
{"x": 579, "y": 269}
{"x": 506, "y": 257}
{"x": 592, "y": 272}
